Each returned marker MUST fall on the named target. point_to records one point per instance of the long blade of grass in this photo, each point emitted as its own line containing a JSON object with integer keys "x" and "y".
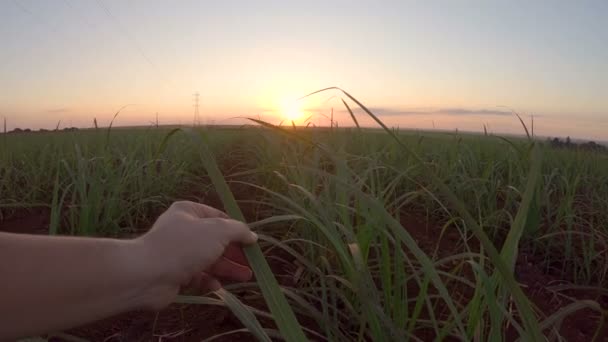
{"x": 202, "y": 300}
{"x": 283, "y": 315}
{"x": 569, "y": 310}
{"x": 523, "y": 124}
{"x": 55, "y": 210}
{"x": 352, "y": 115}
{"x": 243, "y": 314}
{"x": 56, "y": 207}
{"x": 111, "y": 123}
{"x": 510, "y": 247}
{"x": 166, "y": 139}
{"x": 274, "y": 219}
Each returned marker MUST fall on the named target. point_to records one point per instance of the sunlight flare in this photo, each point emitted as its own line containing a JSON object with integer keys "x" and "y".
{"x": 291, "y": 110}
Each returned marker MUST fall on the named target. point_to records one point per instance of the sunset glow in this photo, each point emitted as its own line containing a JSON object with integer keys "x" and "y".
{"x": 86, "y": 60}
{"x": 291, "y": 111}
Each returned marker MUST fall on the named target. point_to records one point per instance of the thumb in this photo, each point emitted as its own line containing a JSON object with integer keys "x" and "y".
{"x": 232, "y": 231}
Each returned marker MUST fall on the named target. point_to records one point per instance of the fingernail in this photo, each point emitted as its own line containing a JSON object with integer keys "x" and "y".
{"x": 255, "y": 236}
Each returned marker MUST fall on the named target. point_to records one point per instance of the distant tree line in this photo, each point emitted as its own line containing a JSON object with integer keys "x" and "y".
{"x": 42, "y": 130}
{"x": 569, "y": 144}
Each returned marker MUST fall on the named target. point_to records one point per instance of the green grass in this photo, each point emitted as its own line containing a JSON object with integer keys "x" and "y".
{"x": 331, "y": 202}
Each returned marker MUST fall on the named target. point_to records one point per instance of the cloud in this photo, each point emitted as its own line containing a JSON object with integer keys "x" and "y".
{"x": 387, "y": 111}
{"x": 462, "y": 111}
{"x": 58, "y": 110}
{"x": 381, "y": 111}
{"x": 394, "y": 112}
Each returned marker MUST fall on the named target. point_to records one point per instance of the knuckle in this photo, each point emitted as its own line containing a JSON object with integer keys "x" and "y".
{"x": 211, "y": 211}
{"x": 217, "y": 222}
{"x": 225, "y": 225}
{"x": 180, "y": 205}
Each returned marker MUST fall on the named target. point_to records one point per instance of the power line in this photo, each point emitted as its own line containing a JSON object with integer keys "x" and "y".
{"x": 23, "y": 8}
{"x": 38, "y": 18}
{"x": 81, "y": 18}
{"x": 125, "y": 32}
{"x": 131, "y": 39}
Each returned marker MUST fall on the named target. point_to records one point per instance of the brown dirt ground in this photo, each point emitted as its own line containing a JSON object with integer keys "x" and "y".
{"x": 196, "y": 322}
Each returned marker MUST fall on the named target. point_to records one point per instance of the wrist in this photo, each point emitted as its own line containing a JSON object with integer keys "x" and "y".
{"x": 154, "y": 286}
{"x": 139, "y": 268}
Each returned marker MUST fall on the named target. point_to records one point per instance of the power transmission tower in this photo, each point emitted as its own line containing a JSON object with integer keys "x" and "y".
{"x": 197, "y": 119}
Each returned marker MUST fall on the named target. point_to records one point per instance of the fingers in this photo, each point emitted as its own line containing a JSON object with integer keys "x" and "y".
{"x": 231, "y": 231}
{"x": 235, "y": 253}
{"x": 230, "y": 270}
{"x": 225, "y": 269}
{"x": 207, "y": 282}
{"x": 199, "y": 210}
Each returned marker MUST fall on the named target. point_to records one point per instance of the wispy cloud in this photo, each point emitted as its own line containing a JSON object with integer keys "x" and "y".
{"x": 463, "y": 111}
{"x": 387, "y": 111}
{"x": 58, "y": 110}
{"x": 381, "y": 111}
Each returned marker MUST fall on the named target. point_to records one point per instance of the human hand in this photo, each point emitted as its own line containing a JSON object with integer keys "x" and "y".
{"x": 194, "y": 244}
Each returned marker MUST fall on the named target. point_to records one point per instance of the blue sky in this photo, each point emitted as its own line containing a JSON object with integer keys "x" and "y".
{"x": 445, "y": 64}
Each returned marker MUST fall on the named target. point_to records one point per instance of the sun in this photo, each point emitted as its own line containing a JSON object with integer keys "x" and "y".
{"x": 291, "y": 110}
